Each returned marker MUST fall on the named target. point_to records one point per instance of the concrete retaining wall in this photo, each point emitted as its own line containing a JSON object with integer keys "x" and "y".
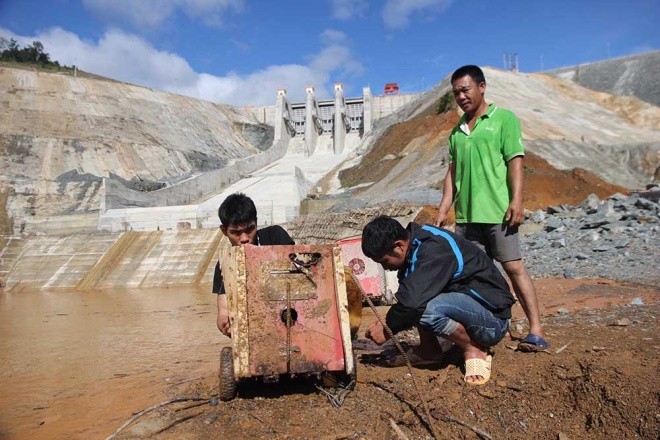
{"x": 166, "y": 209}
{"x": 111, "y": 260}
{"x": 63, "y": 224}
{"x": 117, "y": 196}
{"x": 264, "y": 114}
{"x": 389, "y": 104}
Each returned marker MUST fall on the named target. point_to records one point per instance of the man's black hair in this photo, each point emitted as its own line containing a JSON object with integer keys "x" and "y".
{"x": 473, "y": 71}
{"x": 237, "y": 209}
{"x": 379, "y": 235}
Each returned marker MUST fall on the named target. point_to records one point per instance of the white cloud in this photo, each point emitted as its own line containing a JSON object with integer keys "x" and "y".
{"x": 348, "y": 9}
{"x": 152, "y": 13}
{"x": 332, "y": 36}
{"x": 336, "y": 58}
{"x": 240, "y": 45}
{"x": 129, "y": 58}
{"x": 256, "y": 88}
{"x": 117, "y": 55}
{"x": 397, "y": 13}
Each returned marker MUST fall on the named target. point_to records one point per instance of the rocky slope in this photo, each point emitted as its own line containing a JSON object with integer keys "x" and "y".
{"x": 634, "y": 75}
{"x": 59, "y": 135}
{"x": 614, "y": 238}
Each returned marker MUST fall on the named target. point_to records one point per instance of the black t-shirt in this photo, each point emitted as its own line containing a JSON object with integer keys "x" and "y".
{"x": 268, "y": 236}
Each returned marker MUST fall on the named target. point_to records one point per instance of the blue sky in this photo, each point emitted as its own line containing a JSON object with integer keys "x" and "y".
{"x": 241, "y": 51}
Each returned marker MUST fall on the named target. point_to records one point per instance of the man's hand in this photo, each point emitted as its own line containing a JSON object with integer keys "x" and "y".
{"x": 224, "y": 325}
{"x": 441, "y": 219}
{"x": 448, "y": 193}
{"x": 514, "y": 214}
{"x": 376, "y": 333}
{"x": 223, "y": 316}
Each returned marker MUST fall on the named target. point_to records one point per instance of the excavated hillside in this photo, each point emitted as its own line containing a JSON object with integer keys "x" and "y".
{"x": 631, "y": 76}
{"x": 60, "y": 135}
{"x": 578, "y": 142}
{"x": 429, "y": 131}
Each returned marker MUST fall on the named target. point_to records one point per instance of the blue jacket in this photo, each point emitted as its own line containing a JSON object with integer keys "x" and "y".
{"x": 439, "y": 261}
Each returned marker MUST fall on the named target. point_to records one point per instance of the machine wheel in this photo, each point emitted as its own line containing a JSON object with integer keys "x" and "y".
{"x": 227, "y": 388}
{"x": 345, "y": 379}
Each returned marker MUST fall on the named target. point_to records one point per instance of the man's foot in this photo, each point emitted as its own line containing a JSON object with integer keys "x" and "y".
{"x": 533, "y": 343}
{"x": 477, "y": 370}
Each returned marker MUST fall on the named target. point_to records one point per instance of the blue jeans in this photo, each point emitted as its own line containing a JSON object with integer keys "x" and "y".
{"x": 445, "y": 311}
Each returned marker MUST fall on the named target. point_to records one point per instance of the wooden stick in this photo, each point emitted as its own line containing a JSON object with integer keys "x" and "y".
{"x": 480, "y": 432}
{"x": 397, "y": 430}
{"x": 151, "y": 408}
{"x": 177, "y": 421}
{"x": 192, "y": 405}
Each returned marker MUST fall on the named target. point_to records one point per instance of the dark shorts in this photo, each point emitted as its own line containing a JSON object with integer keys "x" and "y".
{"x": 501, "y": 242}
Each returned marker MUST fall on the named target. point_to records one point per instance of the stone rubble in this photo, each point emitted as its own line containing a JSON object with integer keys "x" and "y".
{"x": 616, "y": 238}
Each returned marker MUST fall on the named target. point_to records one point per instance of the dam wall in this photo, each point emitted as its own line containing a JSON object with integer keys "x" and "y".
{"x": 389, "y": 104}
{"x": 105, "y": 260}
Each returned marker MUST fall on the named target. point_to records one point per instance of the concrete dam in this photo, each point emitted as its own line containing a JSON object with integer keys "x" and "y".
{"x": 106, "y": 260}
{"x": 310, "y": 139}
{"x": 170, "y": 236}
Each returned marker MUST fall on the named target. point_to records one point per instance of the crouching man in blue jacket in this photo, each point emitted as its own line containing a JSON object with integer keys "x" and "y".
{"x": 446, "y": 285}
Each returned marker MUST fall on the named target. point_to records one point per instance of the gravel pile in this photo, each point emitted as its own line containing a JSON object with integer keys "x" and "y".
{"x": 616, "y": 238}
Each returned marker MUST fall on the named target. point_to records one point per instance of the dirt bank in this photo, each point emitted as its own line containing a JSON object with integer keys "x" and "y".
{"x": 595, "y": 382}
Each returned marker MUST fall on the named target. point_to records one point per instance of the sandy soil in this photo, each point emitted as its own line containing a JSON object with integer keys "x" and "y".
{"x": 596, "y": 381}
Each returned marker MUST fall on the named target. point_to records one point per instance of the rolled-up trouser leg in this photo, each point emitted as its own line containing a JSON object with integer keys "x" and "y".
{"x": 444, "y": 311}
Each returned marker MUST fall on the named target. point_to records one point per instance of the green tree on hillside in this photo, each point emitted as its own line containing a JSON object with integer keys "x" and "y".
{"x": 31, "y": 54}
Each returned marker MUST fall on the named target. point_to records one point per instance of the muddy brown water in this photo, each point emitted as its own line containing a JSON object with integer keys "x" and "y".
{"x": 77, "y": 364}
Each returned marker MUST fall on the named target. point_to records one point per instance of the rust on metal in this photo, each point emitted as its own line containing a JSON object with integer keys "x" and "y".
{"x": 288, "y": 310}
{"x": 278, "y": 275}
{"x": 232, "y": 260}
{"x": 342, "y": 308}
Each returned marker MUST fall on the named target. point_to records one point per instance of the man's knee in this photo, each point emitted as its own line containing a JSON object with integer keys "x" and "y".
{"x": 437, "y": 323}
{"x": 486, "y": 337}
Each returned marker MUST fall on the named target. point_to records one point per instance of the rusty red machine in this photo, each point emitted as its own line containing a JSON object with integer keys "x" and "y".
{"x": 289, "y": 314}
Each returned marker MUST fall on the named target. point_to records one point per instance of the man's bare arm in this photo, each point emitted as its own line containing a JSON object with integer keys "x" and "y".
{"x": 515, "y": 173}
{"x": 448, "y": 193}
{"x": 223, "y": 316}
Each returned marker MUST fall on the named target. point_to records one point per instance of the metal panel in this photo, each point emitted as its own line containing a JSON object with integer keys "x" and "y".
{"x": 311, "y": 340}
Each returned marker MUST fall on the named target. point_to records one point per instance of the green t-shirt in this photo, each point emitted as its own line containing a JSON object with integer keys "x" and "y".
{"x": 480, "y": 157}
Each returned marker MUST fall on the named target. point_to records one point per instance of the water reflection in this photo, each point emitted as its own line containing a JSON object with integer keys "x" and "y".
{"x": 78, "y": 363}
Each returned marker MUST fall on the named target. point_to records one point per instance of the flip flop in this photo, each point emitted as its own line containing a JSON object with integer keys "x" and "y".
{"x": 478, "y": 367}
{"x": 533, "y": 343}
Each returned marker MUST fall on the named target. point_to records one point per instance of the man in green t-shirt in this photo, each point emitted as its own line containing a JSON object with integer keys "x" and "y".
{"x": 485, "y": 181}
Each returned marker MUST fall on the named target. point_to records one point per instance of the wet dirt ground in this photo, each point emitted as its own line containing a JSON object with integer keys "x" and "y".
{"x": 80, "y": 364}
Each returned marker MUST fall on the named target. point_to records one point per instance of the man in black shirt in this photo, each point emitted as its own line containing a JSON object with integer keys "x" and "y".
{"x": 238, "y": 218}
{"x": 447, "y": 285}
